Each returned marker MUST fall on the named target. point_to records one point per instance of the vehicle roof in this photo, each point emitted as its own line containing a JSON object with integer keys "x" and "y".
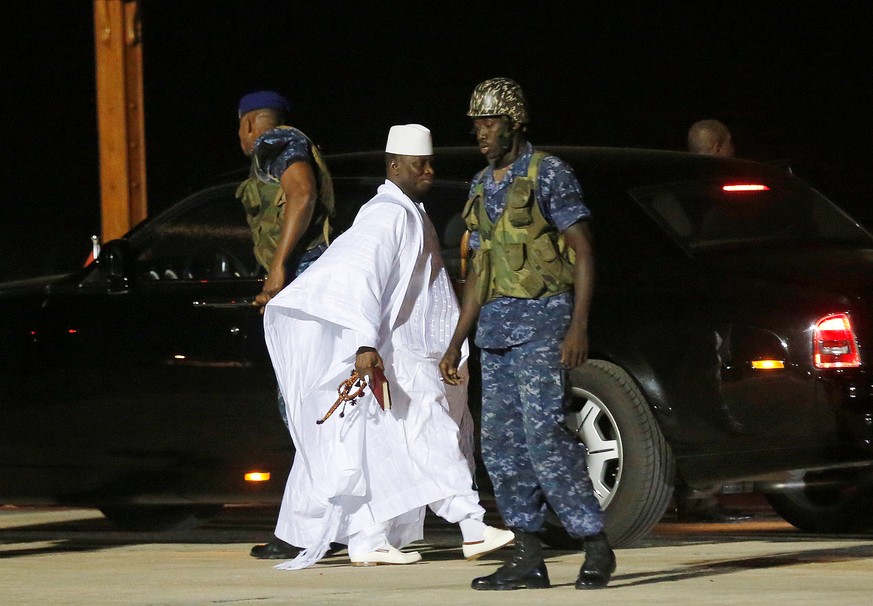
{"x": 630, "y": 166}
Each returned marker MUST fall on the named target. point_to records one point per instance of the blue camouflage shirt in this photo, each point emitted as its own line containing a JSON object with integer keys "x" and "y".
{"x": 508, "y": 321}
{"x": 279, "y": 148}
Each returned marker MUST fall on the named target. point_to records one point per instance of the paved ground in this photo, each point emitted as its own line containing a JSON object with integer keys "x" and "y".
{"x": 73, "y": 557}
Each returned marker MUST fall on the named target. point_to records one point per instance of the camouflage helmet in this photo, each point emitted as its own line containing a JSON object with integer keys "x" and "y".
{"x": 499, "y": 97}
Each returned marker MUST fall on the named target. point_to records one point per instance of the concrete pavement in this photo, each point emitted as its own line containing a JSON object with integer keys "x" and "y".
{"x": 73, "y": 557}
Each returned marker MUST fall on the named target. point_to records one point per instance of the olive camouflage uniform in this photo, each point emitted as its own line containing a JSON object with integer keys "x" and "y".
{"x": 262, "y": 197}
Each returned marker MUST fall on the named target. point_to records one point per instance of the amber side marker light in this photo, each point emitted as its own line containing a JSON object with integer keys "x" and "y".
{"x": 257, "y": 476}
{"x": 834, "y": 344}
{"x": 741, "y": 187}
{"x": 767, "y": 364}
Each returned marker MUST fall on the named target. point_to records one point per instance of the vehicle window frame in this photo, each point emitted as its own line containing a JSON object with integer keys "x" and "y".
{"x": 687, "y": 235}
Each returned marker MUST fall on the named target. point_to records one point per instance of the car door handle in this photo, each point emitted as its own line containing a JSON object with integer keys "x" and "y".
{"x": 224, "y": 303}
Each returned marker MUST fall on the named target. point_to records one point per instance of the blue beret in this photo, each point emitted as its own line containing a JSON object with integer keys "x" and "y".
{"x": 263, "y": 99}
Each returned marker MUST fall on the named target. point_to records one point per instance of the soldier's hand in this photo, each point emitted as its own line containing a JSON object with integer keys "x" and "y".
{"x": 272, "y": 285}
{"x": 449, "y": 366}
{"x": 574, "y": 349}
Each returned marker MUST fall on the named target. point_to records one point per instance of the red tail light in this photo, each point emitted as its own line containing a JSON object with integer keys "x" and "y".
{"x": 834, "y": 344}
{"x": 743, "y": 187}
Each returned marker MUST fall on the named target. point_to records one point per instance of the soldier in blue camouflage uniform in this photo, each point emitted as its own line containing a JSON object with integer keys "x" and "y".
{"x": 288, "y": 199}
{"x": 530, "y": 287}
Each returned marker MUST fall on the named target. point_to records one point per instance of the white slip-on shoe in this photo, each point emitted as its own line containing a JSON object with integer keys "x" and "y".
{"x": 386, "y": 555}
{"x": 494, "y": 540}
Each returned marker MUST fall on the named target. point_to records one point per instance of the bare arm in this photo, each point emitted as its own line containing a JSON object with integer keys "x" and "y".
{"x": 470, "y": 308}
{"x": 574, "y": 349}
{"x": 298, "y": 184}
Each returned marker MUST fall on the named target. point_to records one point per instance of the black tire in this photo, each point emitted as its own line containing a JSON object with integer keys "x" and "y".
{"x": 821, "y": 506}
{"x": 631, "y": 464}
{"x": 141, "y": 518}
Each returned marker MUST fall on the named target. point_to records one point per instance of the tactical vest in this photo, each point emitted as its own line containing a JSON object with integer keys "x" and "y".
{"x": 521, "y": 254}
{"x": 264, "y": 204}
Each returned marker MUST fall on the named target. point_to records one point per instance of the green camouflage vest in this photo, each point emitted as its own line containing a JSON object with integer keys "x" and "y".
{"x": 521, "y": 254}
{"x": 264, "y": 204}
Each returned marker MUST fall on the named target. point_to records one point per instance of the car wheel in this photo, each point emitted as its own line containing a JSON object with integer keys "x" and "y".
{"x": 160, "y": 517}
{"x": 631, "y": 466}
{"x": 821, "y": 506}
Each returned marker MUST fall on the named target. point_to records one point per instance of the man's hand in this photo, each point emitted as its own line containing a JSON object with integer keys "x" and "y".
{"x": 272, "y": 285}
{"x": 449, "y": 366}
{"x": 574, "y": 348}
{"x": 366, "y": 361}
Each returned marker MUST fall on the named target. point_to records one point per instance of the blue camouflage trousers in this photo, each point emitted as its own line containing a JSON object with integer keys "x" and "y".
{"x": 531, "y": 456}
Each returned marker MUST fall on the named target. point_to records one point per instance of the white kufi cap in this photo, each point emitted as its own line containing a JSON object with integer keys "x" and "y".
{"x": 409, "y": 140}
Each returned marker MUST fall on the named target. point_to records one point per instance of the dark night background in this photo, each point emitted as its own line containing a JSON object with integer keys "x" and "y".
{"x": 790, "y": 79}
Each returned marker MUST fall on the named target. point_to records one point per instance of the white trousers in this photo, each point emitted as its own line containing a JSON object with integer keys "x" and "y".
{"x": 463, "y": 510}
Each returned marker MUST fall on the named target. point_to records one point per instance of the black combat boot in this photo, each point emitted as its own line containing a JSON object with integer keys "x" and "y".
{"x": 599, "y": 563}
{"x": 525, "y": 570}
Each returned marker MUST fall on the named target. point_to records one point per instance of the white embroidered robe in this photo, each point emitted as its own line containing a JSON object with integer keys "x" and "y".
{"x": 382, "y": 284}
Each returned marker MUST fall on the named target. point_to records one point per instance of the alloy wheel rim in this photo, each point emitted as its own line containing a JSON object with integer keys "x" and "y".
{"x": 597, "y": 429}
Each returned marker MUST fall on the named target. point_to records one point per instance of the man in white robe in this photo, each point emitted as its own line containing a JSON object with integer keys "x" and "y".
{"x": 378, "y": 297}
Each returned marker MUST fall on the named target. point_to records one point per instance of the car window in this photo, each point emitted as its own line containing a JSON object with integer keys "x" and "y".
{"x": 612, "y": 210}
{"x": 747, "y": 211}
{"x": 205, "y": 237}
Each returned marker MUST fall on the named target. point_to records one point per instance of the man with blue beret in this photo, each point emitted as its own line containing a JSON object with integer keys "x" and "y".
{"x": 288, "y": 195}
{"x": 288, "y": 199}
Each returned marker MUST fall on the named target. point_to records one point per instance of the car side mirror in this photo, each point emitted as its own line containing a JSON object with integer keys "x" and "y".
{"x": 114, "y": 262}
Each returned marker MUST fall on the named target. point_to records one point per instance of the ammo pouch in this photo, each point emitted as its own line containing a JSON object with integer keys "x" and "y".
{"x": 521, "y": 254}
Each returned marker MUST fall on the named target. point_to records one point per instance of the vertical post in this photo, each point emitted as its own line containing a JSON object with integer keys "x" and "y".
{"x": 120, "y": 120}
